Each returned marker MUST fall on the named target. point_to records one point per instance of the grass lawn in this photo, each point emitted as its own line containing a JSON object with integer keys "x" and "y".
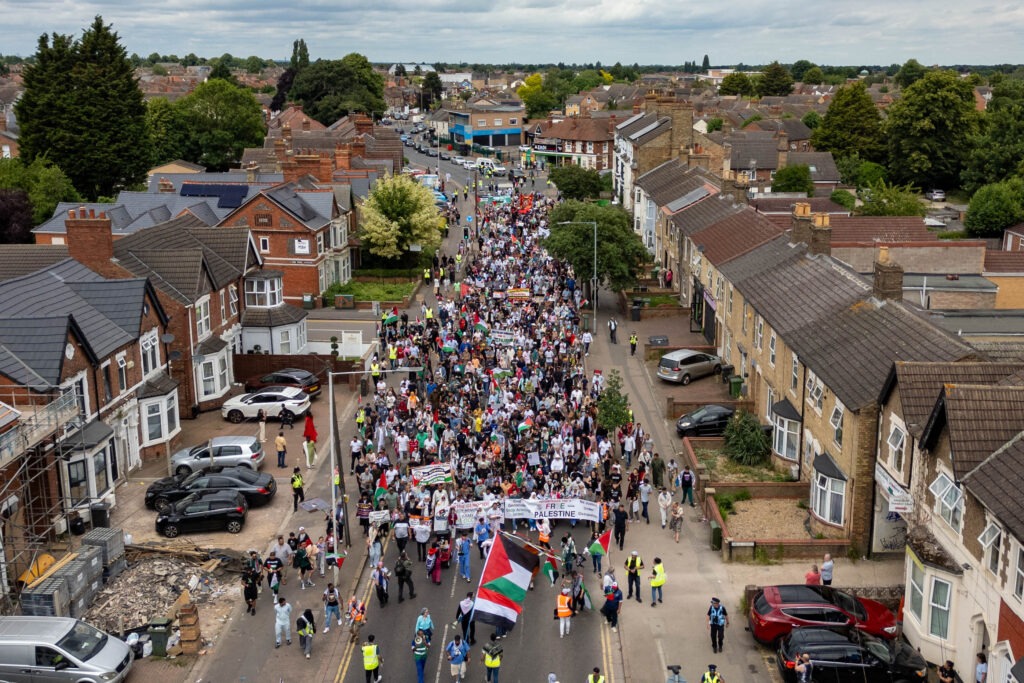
{"x": 375, "y": 291}
{"x": 664, "y": 300}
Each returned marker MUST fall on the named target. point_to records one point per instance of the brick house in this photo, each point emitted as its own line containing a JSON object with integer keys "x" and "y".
{"x": 582, "y": 140}
{"x": 646, "y": 140}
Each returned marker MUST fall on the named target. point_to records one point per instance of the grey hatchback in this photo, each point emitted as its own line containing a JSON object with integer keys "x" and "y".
{"x": 220, "y": 451}
{"x": 685, "y": 365}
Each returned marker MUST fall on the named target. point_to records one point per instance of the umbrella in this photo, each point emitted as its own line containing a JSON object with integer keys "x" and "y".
{"x": 391, "y": 319}
{"x": 314, "y": 504}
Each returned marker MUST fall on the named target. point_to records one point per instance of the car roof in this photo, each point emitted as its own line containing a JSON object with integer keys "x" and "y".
{"x": 681, "y": 353}
{"x": 231, "y": 440}
{"x": 801, "y": 594}
{"x": 815, "y": 635}
{"x": 280, "y": 389}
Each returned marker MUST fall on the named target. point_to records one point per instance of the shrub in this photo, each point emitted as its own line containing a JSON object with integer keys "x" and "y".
{"x": 726, "y": 501}
{"x": 746, "y": 441}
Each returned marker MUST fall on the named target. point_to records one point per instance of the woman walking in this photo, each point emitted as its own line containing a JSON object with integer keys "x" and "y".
{"x": 676, "y": 523}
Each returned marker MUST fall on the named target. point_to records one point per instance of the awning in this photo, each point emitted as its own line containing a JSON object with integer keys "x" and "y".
{"x": 786, "y": 410}
{"x": 824, "y": 464}
{"x": 211, "y": 346}
{"x": 87, "y": 438}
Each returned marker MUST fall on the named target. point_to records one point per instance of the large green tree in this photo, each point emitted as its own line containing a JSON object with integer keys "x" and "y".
{"x": 736, "y": 83}
{"x": 399, "y": 213}
{"x": 43, "y": 184}
{"x": 929, "y": 130}
{"x": 997, "y": 151}
{"x": 432, "y": 87}
{"x": 576, "y": 182}
{"x": 82, "y": 109}
{"x": 219, "y": 121}
{"x": 15, "y": 217}
{"x": 794, "y": 179}
{"x": 994, "y": 208}
{"x": 883, "y": 199}
{"x": 329, "y": 89}
{"x": 911, "y": 72}
{"x": 620, "y": 251}
{"x": 852, "y": 126}
{"x": 166, "y": 131}
{"x": 537, "y": 100}
{"x": 799, "y": 68}
{"x": 775, "y": 80}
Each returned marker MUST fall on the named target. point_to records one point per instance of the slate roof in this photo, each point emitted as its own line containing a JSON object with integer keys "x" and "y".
{"x": 32, "y": 349}
{"x": 582, "y": 128}
{"x": 735, "y": 235}
{"x": 921, "y": 383}
{"x": 822, "y": 165}
{"x": 763, "y": 151}
{"x": 979, "y": 419}
{"x": 997, "y": 482}
{"x": 768, "y": 256}
{"x": 312, "y": 208}
{"x": 21, "y": 259}
{"x": 671, "y": 180}
{"x": 707, "y": 211}
{"x": 273, "y": 317}
{"x": 1000, "y": 351}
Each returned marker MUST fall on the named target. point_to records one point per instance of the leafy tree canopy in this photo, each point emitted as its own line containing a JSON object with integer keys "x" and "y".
{"x": 620, "y": 251}
{"x": 613, "y": 404}
{"x": 814, "y": 76}
{"x": 994, "y": 208}
{"x": 883, "y": 199}
{"x": 536, "y": 98}
{"x": 82, "y": 109}
{"x": 736, "y": 83}
{"x": 911, "y": 72}
{"x": 300, "y": 56}
{"x": 799, "y": 68}
{"x": 812, "y": 119}
{"x": 331, "y": 89}
{"x": 576, "y": 182}
{"x": 852, "y": 126}
{"x": 775, "y": 80}
{"x": 997, "y": 150}
{"x": 15, "y": 217}
{"x": 432, "y": 87}
{"x": 844, "y": 198}
{"x": 794, "y": 179}
{"x": 43, "y": 183}
{"x": 715, "y": 124}
{"x": 220, "y": 120}
{"x": 399, "y": 213}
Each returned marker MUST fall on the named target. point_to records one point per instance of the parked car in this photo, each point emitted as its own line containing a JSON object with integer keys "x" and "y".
{"x": 271, "y": 400}
{"x": 445, "y": 156}
{"x": 458, "y": 160}
{"x": 685, "y": 365}
{"x": 709, "y": 420}
{"x": 847, "y": 654}
{"x": 220, "y": 451}
{"x": 287, "y": 377}
{"x": 430, "y": 151}
{"x": 208, "y": 511}
{"x": 777, "y": 610}
{"x": 258, "y": 488}
{"x": 936, "y": 195}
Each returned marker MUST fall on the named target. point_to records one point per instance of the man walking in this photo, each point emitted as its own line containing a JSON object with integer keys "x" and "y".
{"x": 403, "y": 572}
{"x": 281, "y": 444}
{"x": 492, "y": 658}
{"x": 588, "y": 339}
{"x": 686, "y": 479}
{"x": 645, "y": 499}
{"x": 381, "y": 578}
{"x": 298, "y": 495}
{"x": 619, "y": 525}
{"x": 613, "y": 325}
{"x": 633, "y": 339}
{"x": 612, "y": 606}
{"x": 306, "y": 627}
{"x": 564, "y": 613}
{"x": 664, "y": 503}
{"x": 332, "y": 605}
{"x": 718, "y": 619}
{"x": 657, "y": 581}
{"x": 462, "y": 547}
{"x": 371, "y": 660}
{"x": 634, "y": 563}
{"x": 282, "y": 622}
{"x": 273, "y": 566}
{"x": 463, "y": 618}
{"x": 457, "y": 652}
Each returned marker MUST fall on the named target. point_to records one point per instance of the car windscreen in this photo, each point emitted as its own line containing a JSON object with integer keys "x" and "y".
{"x": 879, "y": 649}
{"x": 192, "y": 477}
{"x": 83, "y": 641}
{"x": 243, "y": 474}
{"x": 849, "y": 603}
{"x": 699, "y": 414}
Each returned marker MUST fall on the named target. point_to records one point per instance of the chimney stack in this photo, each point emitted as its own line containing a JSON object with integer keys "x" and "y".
{"x": 90, "y": 238}
{"x": 800, "y": 226}
{"x": 821, "y": 235}
{"x": 783, "y": 149}
{"x": 305, "y": 125}
{"x": 888, "y": 277}
{"x": 682, "y": 127}
{"x": 166, "y": 186}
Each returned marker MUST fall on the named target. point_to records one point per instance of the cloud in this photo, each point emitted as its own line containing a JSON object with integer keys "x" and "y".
{"x": 535, "y": 31}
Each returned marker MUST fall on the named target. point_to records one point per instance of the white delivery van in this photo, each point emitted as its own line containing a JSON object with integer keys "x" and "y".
{"x": 57, "y": 649}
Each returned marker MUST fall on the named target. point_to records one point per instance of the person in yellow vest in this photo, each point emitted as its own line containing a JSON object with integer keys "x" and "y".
{"x": 336, "y": 481}
{"x": 393, "y": 355}
{"x": 595, "y": 677}
{"x": 657, "y": 581}
{"x": 306, "y": 627}
{"x": 375, "y": 371}
{"x": 634, "y": 563}
{"x": 492, "y": 658}
{"x": 564, "y": 613}
{"x": 711, "y": 675}
{"x": 298, "y": 495}
{"x": 426, "y": 275}
{"x": 633, "y": 340}
{"x": 372, "y": 660}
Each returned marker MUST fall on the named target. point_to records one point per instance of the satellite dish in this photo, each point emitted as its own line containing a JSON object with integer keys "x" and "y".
{"x": 174, "y": 355}
{"x": 167, "y": 338}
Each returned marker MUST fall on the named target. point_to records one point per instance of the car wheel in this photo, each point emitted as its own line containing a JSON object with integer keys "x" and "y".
{"x": 161, "y": 504}
{"x": 684, "y": 380}
{"x": 717, "y": 370}
{"x": 171, "y": 531}
{"x": 183, "y": 470}
{"x": 235, "y": 416}
{"x": 234, "y": 526}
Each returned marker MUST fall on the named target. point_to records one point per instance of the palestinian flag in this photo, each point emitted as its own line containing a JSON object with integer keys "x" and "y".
{"x": 550, "y": 568}
{"x": 503, "y": 584}
{"x": 481, "y": 327}
{"x": 382, "y": 488}
{"x": 601, "y": 545}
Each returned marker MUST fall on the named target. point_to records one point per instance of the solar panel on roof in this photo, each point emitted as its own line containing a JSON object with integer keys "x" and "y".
{"x": 228, "y": 196}
{"x": 687, "y": 199}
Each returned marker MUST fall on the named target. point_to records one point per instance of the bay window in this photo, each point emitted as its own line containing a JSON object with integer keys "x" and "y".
{"x": 939, "y": 612}
{"x": 785, "y": 437}
{"x": 829, "y": 498}
{"x": 949, "y": 501}
{"x": 160, "y": 417}
{"x": 263, "y": 293}
{"x": 916, "y": 602}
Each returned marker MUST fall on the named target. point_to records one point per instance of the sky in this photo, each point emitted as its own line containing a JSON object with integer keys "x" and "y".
{"x": 830, "y": 32}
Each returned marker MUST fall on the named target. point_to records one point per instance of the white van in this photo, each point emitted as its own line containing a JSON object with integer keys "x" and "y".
{"x": 36, "y": 649}
{"x": 485, "y": 164}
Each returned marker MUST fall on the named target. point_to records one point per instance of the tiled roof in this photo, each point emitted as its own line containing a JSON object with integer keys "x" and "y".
{"x": 763, "y": 151}
{"x": 870, "y": 229}
{"x": 735, "y": 235}
{"x": 671, "y": 180}
{"x": 980, "y": 419}
{"x": 707, "y": 211}
{"x": 582, "y": 128}
{"x": 311, "y": 208}
{"x": 1004, "y": 262}
{"x": 921, "y": 383}
{"x": 1000, "y": 351}
{"x": 32, "y": 350}
{"x": 273, "y": 317}
{"x": 21, "y": 259}
{"x": 822, "y": 165}
{"x": 784, "y": 205}
{"x": 766, "y": 257}
{"x": 998, "y": 481}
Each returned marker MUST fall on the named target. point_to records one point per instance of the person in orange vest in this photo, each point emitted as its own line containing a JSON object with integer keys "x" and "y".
{"x": 564, "y": 613}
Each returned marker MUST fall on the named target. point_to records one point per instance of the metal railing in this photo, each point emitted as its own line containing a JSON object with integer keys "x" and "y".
{"x": 37, "y": 426}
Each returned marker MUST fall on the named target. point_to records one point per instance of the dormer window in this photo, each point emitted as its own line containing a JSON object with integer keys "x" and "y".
{"x": 263, "y": 292}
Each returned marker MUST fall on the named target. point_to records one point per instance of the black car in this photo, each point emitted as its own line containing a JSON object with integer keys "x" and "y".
{"x": 258, "y": 488}
{"x": 709, "y": 420}
{"x": 209, "y": 511}
{"x": 838, "y": 655}
{"x": 445, "y": 156}
{"x": 286, "y": 377}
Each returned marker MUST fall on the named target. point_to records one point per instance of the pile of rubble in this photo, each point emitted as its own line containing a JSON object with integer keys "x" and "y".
{"x": 151, "y": 585}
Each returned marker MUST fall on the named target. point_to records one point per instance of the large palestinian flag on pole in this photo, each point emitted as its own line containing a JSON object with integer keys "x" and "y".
{"x": 506, "y": 578}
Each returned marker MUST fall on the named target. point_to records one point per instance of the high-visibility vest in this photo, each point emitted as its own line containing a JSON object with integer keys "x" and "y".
{"x": 563, "y": 606}
{"x": 426, "y": 273}
{"x": 659, "y": 576}
{"x": 337, "y": 479}
{"x": 440, "y": 273}
{"x": 356, "y": 610}
{"x": 371, "y": 660}
{"x": 306, "y": 630}
{"x": 492, "y": 661}
{"x": 419, "y": 650}
{"x": 375, "y": 370}
{"x": 544, "y": 538}
{"x": 393, "y": 353}
{"x": 595, "y": 678}
{"x": 429, "y": 315}
{"x": 296, "y": 481}
{"x": 709, "y": 677}
{"x": 633, "y": 339}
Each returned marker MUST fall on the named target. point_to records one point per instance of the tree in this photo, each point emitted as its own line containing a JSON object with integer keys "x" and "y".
{"x": 994, "y": 208}
{"x": 705, "y": 64}
{"x": 812, "y": 119}
{"x": 714, "y": 124}
{"x": 537, "y": 100}
{"x": 284, "y": 87}
{"x": 300, "y": 56}
{"x": 222, "y": 72}
{"x": 254, "y": 64}
{"x": 82, "y": 108}
{"x": 620, "y": 251}
{"x": 998, "y": 147}
{"x": 576, "y": 182}
{"x": 220, "y": 120}
{"x": 794, "y": 179}
{"x": 929, "y": 130}
{"x": 814, "y": 76}
{"x": 331, "y": 89}
{"x": 911, "y": 72}
{"x": 746, "y": 441}
{"x": 883, "y": 199}
{"x": 844, "y": 198}
{"x": 852, "y": 126}
{"x": 432, "y": 87}
{"x": 43, "y": 183}
{"x": 736, "y": 83}
{"x": 166, "y": 131}
{"x": 612, "y": 404}
{"x": 399, "y": 213}
{"x": 15, "y": 217}
{"x": 799, "y": 68}
{"x": 775, "y": 80}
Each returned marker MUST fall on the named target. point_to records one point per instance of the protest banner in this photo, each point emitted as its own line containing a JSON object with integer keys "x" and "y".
{"x": 552, "y": 508}
{"x": 378, "y": 517}
{"x": 432, "y": 475}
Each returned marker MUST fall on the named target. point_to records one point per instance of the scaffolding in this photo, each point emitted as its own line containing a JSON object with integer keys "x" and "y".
{"x": 32, "y": 501}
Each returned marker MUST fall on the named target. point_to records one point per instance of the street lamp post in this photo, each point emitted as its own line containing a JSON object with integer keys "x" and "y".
{"x": 593, "y": 279}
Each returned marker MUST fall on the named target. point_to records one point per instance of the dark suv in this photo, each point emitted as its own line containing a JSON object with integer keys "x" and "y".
{"x": 839, "y": 655}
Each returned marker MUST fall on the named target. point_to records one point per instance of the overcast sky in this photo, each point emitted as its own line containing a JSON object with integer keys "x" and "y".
{"x": 836, "y": 32}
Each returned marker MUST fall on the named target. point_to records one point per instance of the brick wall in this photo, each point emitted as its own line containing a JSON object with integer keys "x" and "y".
{"x": 960, "y": 300}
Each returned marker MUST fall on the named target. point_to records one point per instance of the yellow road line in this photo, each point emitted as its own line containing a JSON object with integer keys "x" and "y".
{"x": 346, "y": 658}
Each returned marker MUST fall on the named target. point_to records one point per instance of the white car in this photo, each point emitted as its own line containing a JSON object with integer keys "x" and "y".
{"x": 459, "y": 161}
{"x": 271, "y": 400}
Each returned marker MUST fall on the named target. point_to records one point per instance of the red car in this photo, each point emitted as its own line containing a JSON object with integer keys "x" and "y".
{"x": 777, "y": 610}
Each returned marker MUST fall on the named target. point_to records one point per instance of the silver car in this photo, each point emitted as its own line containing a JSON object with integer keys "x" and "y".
{"x": 685, "y": 365}
{"x": 220, "y": 451}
